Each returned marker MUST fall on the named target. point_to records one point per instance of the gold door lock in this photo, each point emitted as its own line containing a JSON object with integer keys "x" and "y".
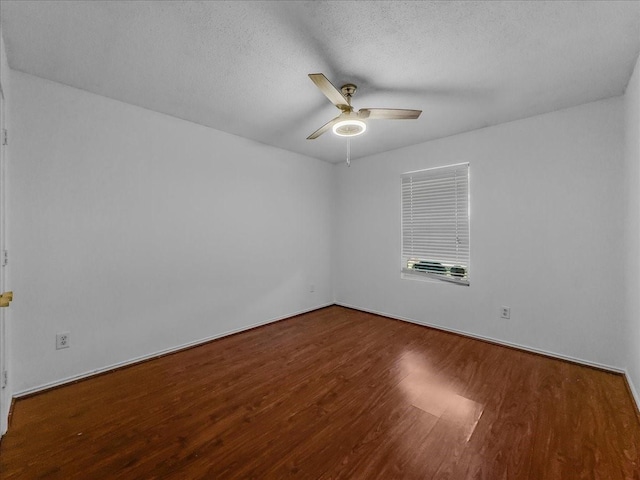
{"x": 5, "y": 299}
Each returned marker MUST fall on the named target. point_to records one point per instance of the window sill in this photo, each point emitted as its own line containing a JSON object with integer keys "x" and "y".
{"x": 410, "y": 274}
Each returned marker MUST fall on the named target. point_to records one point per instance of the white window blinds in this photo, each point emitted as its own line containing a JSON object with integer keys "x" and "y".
{"x": 435, "y": 222}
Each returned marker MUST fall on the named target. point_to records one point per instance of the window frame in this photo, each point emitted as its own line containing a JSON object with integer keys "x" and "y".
{"x": 411, "y": 273}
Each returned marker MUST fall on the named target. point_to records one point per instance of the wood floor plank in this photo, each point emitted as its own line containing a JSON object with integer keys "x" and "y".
{"x": 333, "y": 394}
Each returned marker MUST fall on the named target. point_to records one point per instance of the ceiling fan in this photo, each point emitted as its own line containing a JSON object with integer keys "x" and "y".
{"x": 350, "y": 123}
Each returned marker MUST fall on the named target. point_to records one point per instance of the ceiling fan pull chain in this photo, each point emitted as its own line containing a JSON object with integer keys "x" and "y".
{"x": 348, "y": 152}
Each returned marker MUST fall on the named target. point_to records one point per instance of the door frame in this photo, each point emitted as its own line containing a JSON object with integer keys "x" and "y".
{"x": 4, "y": 396}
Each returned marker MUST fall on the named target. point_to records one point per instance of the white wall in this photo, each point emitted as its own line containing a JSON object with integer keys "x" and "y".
{"x": 546, "y": 234}
{"x": 138, "y": 232}
{"x": 632, "y": 258}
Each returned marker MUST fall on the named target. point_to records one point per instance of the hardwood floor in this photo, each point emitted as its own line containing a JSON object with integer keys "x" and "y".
{"x": 335, "y": 393}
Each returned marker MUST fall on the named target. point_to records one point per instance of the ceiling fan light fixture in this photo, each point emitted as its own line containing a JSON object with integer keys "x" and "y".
{"x": 349, "y": 128}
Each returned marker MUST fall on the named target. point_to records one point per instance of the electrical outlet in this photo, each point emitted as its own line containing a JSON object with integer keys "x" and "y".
{"x": 62, "y": 340}
{"x": 312, "y": 288}
{"x": 505, "y": 312}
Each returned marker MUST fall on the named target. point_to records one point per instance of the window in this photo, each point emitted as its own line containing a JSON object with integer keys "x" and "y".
{"x": 435, "y": 223}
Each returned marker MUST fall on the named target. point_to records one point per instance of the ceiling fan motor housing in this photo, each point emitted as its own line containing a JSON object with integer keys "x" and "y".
{"x": 348, "y": 90}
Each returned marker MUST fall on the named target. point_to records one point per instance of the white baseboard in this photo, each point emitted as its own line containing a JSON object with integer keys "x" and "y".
{"x": 492, "y": 340}
{"x": 114, "y": 366}
{"x": 634, "y": 392}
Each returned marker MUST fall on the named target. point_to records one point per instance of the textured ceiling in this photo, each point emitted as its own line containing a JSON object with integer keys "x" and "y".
{"x": 242, "y": 67}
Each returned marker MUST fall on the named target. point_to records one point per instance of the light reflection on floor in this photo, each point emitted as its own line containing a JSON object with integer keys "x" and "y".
{"x": 431, "y": 394}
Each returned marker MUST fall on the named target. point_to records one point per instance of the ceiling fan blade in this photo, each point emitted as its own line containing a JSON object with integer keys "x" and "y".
{"x": 331, "y": 92}
{"x": 323, "y": 129}
{"x": 388, "y": 114}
